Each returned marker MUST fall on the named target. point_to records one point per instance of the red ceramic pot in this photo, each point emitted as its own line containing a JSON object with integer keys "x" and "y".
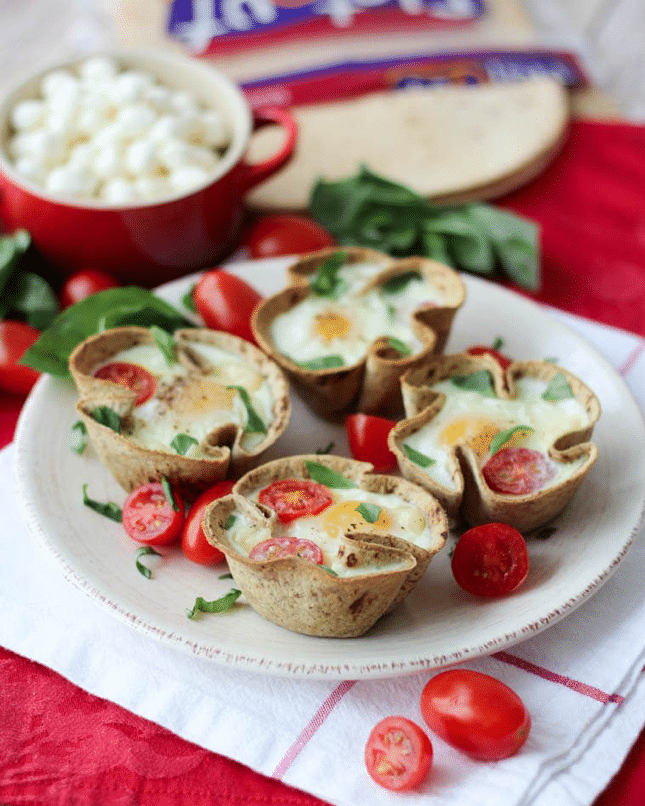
{"x": 148, "y": 243}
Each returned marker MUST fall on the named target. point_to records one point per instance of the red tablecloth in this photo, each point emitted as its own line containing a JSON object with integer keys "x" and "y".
{"x": 54, "y": 746}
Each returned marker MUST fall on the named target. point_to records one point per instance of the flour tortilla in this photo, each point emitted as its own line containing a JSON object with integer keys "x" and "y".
{"x": 455, "y": 143}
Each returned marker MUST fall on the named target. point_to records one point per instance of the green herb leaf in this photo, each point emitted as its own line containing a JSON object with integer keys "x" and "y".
{"x": 417, "y": 457}
{"x": 400, "y": 282}
{"x": 188, "y": 300}
{"x": 503, "y": 436}
{"x": 370, "y": 512}
{"x": 328, "y": 477}
{"x": 216, "y": 606}
{"x": 326, "y": 282}
{"x": 141, "y": 568}
{"x": 182, "y": 443}
{"x": 400, "y": 346}
{"x": 165, "y": 342}
{"x": 254, "y": 424}
{"x": 109, "y": 509}
{"x": 225, "y": 576}
{"x": 29, "y": 298}
{"x": 498, "y": 343}
{"x": 108, "y": 417}
{"x": 480, "y": 381}
{"x": 324, "y": 362}
{"x": 169, "y": 493}
{"x": 12, "y": 248}
{"x": 329, "y": 570}
{"x": 230, "y": 521}
{"x": 329, "y": 447}
{"x": 78, "y": 437}
{"x": 558, "y": 389}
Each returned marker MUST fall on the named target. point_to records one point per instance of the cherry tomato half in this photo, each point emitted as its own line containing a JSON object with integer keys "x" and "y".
{"x": 83, "y": 284}
{"x": 295, "y": 498}
{"x": 481, "y": 349}
{"x": 367, "y": 436}
{"x": 275, "y": 235}
{"x": 148, "y": 516}
{"x": 132, "y": 376}
{"x": 225, "y": 302}
{"x": 517, "y": 471}
{"x": 475, "y": 713}
{"x": 490, "y": 560}
{"x": 15, "y": 339}
{"x": 193, "y": 540}
{"x": 398, "y": 754}
{"x": 287, "y": 546}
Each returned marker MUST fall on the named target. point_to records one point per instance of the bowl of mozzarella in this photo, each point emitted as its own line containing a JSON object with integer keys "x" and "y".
{"x": 131, "y": 162}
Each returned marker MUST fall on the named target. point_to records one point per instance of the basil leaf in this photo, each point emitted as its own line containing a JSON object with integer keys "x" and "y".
{"x": 503, "y": 436}
{"x": 326, "y": 282}
{"x": 370, "y": 512}
{"x": 329, "y": 570}
{"x": 254, "y": 424}
{"x": 109, "y": 509}
{"x": 417, "y": 457}
{"x": 480, "y": 381}
{"x": 182, "y": 443}
{"x": 78, "y": 437}
{"x": 30, "y": 299}
{"x": 230, "y": 521}
{"x": 324, "y": 362}
{"x": 141, "y": 568}
{"x": 216, "y": 606}
{"x": 108, "y": 417}
{"x": 188, "y": 300}
{"x": 558, "y": 389}
{"x": 165, "y": 342}
{"x": 399, "y": 346}
{"x": 329, "y": 447}
{"x": 225, "y": 576}
{"x": 328, "y": 477}
{"x": 400, "y": 282}
{"x": 498, "y": 343}
{"x": 169, "y": 493}
{"x": 12, "y": 248}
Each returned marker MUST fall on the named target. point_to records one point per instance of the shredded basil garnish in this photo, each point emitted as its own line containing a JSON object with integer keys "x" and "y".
{"x": 254, "y": 424}
{"x": 417, "y": 457}
{"x": 225, "y": 576}
{"x": 165, "y": 342}
{"x": 329, "y": 447}
{"x": 397, "y": 284}
{"x": 324, "y": 362}
{"x": 370, "y": 512}
{"x": 498, "y": 343}
{"x": 230, "y": 521}
{"x": 216, "y": 605}
{"x": 169, "y": 494}
{"x": 326, "y": 282}
{"x": 480, "y": 381}
{"x": 78, "y": 437}
{"x": 141, "y": 568}
{"x": 329, "y": 570}
{"x": 182, "y": 443}
{"x": 558, "y": 389}
{"x": 503, "y": 436}
{"x": 188, "y": 300}
{"x": 328, "y": 477}
{"x": 109, "y": 509}
{"x": 400, "y": 346}
{"x": 108, "y": 417}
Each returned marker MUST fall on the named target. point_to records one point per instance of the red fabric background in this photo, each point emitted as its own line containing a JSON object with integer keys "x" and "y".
{"x": 62, "y": 747}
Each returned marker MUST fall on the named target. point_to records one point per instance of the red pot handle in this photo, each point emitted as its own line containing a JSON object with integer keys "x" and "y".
{"x": 254, "y": 174}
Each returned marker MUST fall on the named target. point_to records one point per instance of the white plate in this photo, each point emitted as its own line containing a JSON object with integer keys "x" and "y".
{"x": 438, "y": 624}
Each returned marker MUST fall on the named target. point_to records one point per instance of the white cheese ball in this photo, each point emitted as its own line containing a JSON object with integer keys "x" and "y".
{"x": 27, "y": 114}
{"x": 141, "y": 158}
{"x": 119, "y": 191}
{"x": 187, "y": 177}
{"x": 98, "y": 69}
{"x": 68, "y": 180}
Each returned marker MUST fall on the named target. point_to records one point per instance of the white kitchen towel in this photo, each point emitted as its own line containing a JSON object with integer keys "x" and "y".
{"x": 581, "y": 678}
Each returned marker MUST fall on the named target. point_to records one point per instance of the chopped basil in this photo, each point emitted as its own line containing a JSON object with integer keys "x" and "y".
{"x": 108, "y": 417}
{"x": 141, "y": 568}
{"x": 329, "y": 447}
{"x": 328, "y": 477}
{"x": 182, "y": 443}
{"x": 503, "y": 436}
{"x": 109, "y": 509}
{"x": 216, "y": 605}
{"x": 480, "y": 381}
{"x": 329, "y": 570}
{"x": 225, "y": 576}
{"x": 417, "y": 457}
{"x": 397, "y": 284}
{"x": 498, "y": 343}
{"x": 324, "y": 362}
{"x": 326, "y": 282}
{"x": 400, "y": 346}
{"x": 78, "y": 437}
{"x": 169, "y": 494}
{"x": 370, "y": 512}
{"x": 188, "y": 300}
{"x": 165, "y": 342}
{"x": 254, "y": 424}
{"x": 230, "y": 521}
{"x": 558, "y": 389}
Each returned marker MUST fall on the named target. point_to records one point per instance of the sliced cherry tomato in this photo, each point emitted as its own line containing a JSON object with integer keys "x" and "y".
{"x": 149, "y": 517}
{"x": 15, "y": 339}
{"x": 367, "y": 436}
{"x": 83, "y": 284}
{"x": 398, "y": 754}
{"x": 295, "y": 498}
{"x": 225, "y": 302}
{"x": 475, "y": 713}
{"x": 193, "y": 540}
{"x": 490, "y": 560}
{"x": 481, "y": 349}
{"x": 517, "y": 471}
{"x": 132, "y": 376}
{"x": 287, "y": 546}
{"x": 275, "y": 235}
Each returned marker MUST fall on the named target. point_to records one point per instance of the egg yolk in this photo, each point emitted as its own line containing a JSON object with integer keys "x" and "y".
{"x": 476, "y": 432}
{"x": 200, "y": 395}
{"x": 331, "y": 325}
{"x": 345, "y": 518}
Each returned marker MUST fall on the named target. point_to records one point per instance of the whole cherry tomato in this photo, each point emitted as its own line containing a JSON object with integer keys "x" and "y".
{"x": 193, "y": 540}
{"x": 398, "y": 754}
{"x": 367, "y": 436}
{"x": 490, "y": 560}
{"x": 132, "y": 376}
{"x": 225, "y": 302}
{"x": 295, "y": 498}
{"x": 475, "y": 713}
{"x": 83, "y": 284}
{"x": 149, "y": 517}
{"x": 287, "y": 546}
{"x": 517, "y": 471}
{"x": 15, "y": 339}
{"x": 275, "y": 235}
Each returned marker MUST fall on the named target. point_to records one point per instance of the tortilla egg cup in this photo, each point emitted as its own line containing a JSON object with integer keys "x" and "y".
{"x": 471, "y": 499}
{"x": 133, "y": 465}
{"x": 372, "y": 385}
{"x": 301, "y": 596}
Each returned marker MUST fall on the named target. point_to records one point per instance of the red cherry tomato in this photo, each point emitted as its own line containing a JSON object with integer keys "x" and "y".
{"x": 481, "y": 349}
{"x": 367, "y": 436}
{"x": 398, "y": 754}
{"x": 225, "y": 302}
{"x": 15, "y": 339}
{"x": 193, "y": 540}
{"x": 148, "y": 516}
{"x": 517, "y": 471}
{"x": 295, "y": 498}
{"x": 475, "y": 713}
{"x": 287, "y": 546}
{"x": 132, "y": 376}
{"x": 85, "y": 283}
{"x": 275, "y": 235}
{"x": 490, "y": 560}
